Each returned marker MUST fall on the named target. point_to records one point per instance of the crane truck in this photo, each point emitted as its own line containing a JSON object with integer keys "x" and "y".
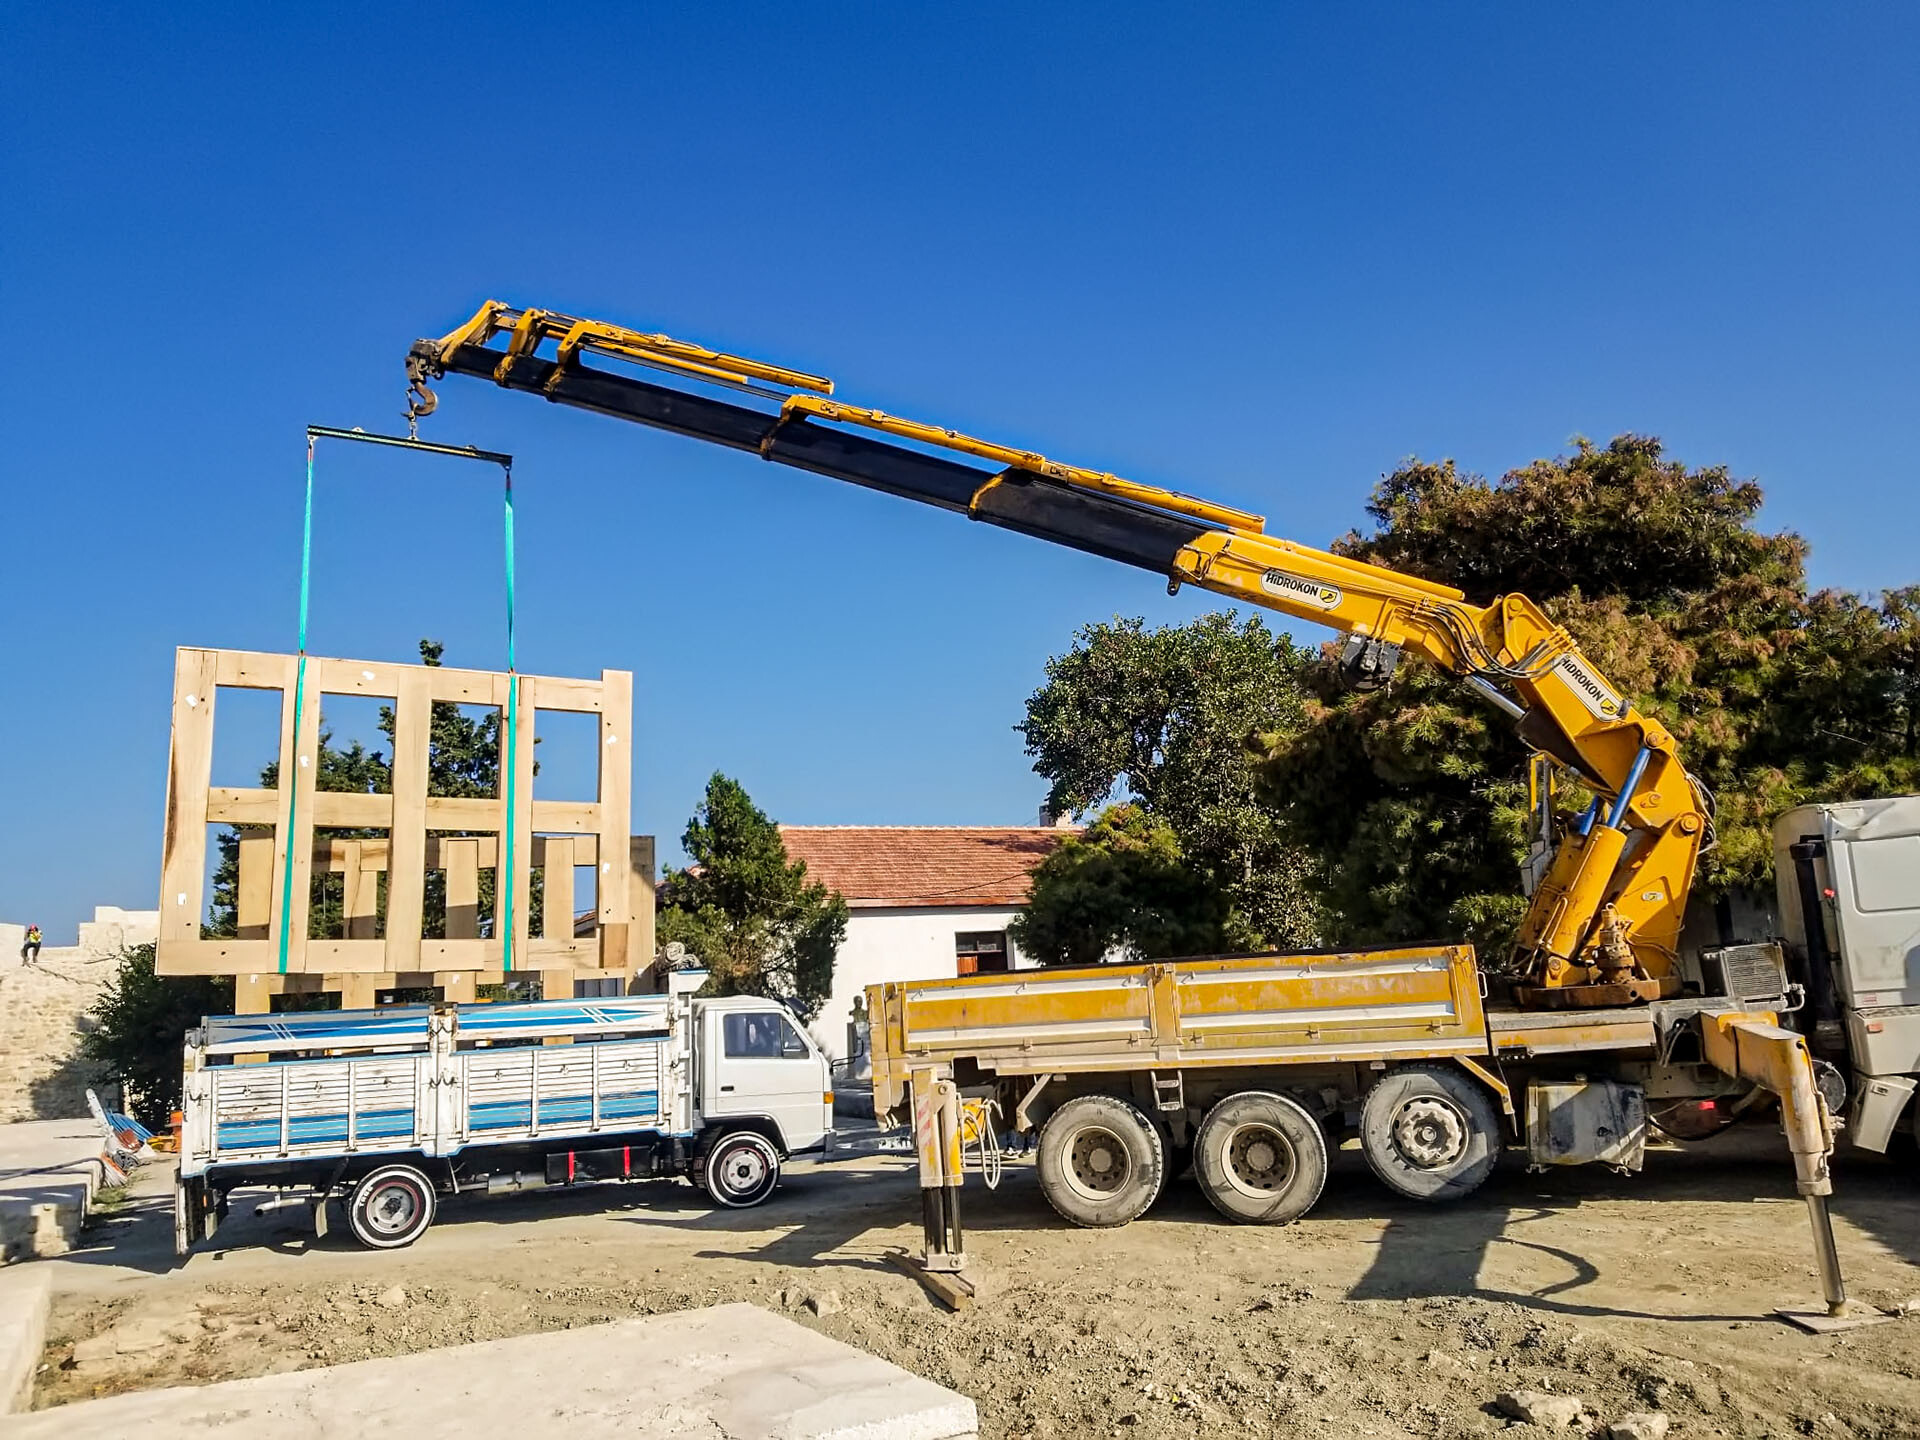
{"x": 1434, "y": 1056}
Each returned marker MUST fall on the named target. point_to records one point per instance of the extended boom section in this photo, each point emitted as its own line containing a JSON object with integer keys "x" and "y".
{"x": 1604, "y": 923}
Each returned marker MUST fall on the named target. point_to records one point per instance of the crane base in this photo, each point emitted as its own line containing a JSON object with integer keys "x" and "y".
{"x": 1595, "y": 997}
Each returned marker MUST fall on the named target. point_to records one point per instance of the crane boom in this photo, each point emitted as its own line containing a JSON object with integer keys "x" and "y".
{"x": 1603, "y": 922}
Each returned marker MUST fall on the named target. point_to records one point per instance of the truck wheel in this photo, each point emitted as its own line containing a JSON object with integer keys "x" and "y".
{"x": 1101, "y": 1162}
{"x": 1261, "y": 1159}
{"x": 739, "y": 1169}
{"x": 1429, "y": 1132}
{"x": 391, "y": 1207}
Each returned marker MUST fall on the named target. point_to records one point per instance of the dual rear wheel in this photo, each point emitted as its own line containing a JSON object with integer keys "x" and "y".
{"x": 1428, "y": 1132}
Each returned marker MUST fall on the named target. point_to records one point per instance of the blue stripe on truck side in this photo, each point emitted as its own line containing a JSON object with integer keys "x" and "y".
{"x": 313, "y": 1129}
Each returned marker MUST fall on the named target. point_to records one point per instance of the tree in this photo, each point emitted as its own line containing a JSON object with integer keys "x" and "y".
{"x": 748, "y": 912}
{"x": 1162, "y": 716}
{"x": 139, "y": 1028}
{"x": 1414, "y": 795}
{"x": 1122, "y": 886}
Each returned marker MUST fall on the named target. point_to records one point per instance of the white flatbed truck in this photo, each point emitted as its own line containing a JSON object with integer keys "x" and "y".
{"x": 392, "y": 1109}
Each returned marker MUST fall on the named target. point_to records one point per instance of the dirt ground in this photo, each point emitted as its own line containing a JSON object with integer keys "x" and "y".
{"x": 1372, "y": 1317}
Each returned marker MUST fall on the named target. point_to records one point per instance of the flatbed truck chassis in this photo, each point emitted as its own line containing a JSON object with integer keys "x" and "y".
{"x": 1252, "y": 1067}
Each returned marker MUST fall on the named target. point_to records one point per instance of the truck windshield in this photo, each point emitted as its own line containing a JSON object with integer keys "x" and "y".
{"x": 761, "y": 1037}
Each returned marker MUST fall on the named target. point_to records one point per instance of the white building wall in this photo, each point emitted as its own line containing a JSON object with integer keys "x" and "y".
{"x": 899, "y": 944}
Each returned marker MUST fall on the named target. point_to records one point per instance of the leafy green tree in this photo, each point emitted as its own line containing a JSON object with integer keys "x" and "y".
{"x": 1414, "y": 796}
{"x": 1160, "y": 717}
{"x": 1121, "y": 887}
{"x": 139, "y": 1028}
{"x": 746, "y": 911}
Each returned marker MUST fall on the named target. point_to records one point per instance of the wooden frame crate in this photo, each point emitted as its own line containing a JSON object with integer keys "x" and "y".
{"x": 548, "y": 834}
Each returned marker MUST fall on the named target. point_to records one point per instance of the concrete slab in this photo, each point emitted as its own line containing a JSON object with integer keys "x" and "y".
{"x": 732, "y": 1372}
{"x": 26, "y": 1296}
{"x": 49, "y": 1173}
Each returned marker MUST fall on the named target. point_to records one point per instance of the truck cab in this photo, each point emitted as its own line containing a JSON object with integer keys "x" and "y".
{"x": 758, "y": 1063}
{"x": 1849, "y": 893}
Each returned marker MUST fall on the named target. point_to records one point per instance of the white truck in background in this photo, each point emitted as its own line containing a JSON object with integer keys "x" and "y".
{"x": 392, "y": 1109}
{"x": 1848, "y": 877}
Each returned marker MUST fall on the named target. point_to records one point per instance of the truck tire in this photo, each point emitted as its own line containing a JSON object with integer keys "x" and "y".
{"x": 738, "y": 1168}
{"x": 1261, "y": 1158}
{"x": 1429, "y": 1132}
{"x": 1101, "y": 1161}
{"x": 391, "y": 1207}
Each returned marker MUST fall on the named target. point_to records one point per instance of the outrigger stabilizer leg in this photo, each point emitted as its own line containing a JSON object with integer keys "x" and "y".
{"x": 1753, "y": 1048}
{"x": 936, "y": 1141}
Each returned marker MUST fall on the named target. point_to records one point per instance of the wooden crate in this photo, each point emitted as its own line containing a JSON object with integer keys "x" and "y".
{"x": 549, "y": 835}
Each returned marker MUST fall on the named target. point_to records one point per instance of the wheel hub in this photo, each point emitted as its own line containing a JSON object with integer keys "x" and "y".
{"x": 744, "y": 1169}
{"x": 1259, "y": 1160}
{"x": 1099, "y": 1163}
{"x": 392, "y": 1210}
{"x": 1430, "y": 1133}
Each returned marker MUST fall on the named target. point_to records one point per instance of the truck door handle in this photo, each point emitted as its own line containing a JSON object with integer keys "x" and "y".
{"x": 725, "y": 1088}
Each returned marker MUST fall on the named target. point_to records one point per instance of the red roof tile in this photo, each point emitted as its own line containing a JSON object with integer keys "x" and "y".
{"x": 923, "y": 865}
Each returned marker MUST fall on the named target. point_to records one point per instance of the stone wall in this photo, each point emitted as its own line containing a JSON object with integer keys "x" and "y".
{"x": 43, "y": 1013}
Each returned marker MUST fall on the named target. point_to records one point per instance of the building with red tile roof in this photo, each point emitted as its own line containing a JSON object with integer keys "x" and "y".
{"x": 924, "y": 902}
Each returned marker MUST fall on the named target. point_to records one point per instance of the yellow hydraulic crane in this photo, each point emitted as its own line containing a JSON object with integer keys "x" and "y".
{"x": 1609, "y": 895}
{"x": 1604, "y": 921}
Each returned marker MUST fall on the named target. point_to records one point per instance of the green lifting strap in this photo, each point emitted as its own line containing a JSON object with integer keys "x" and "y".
{"x": 505, "y": 877}
{"x": 299, "y": 703}
{"x": 458, "y": 452}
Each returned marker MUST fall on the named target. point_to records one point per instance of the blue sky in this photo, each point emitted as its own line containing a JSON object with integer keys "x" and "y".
{"x": 1260, "y": 254}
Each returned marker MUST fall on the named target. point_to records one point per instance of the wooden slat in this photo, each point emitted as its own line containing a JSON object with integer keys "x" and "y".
{"x": 229, "y": 805}
{"x": 458, "y": 812}
{"x": 548, "y": 692}
{"x": 407, "y": 872}
{"x": 461, "y": 954}
{"x": 254, "y": 894}
{"x": 641, "y": 939}
{"x": 359, "y": 957}
{"x": 521, "y": 880}
{"x": 461, "y": 859}
{"x": 544, "y": 954}
{"x": 345, "y": 809}
{"x": 256, "y": 670}
{"x": 569, "y": 817}
{"x": 556, "y": 880}
{"x": 183, "y": 857}
{"x": 219, "y": 957}
{"x": 298, "y": 774}
{"x": 362, "y": 906}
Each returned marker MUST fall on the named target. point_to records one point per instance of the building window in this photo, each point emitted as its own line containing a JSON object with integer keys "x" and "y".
{"x": 981, "y": 952}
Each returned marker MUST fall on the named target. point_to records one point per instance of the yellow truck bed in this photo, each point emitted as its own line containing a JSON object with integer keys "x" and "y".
{"x": 1387, "y": 1005}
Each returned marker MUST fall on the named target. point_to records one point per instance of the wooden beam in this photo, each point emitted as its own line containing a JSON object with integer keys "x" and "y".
{"x": 556, "y": 893}
{"x": 299, "y": 770}
{"x": 407, "y": 848}
{"x": 461, "y": 858}
{"x": 518, "y": 885}
{"x": 254, "y": 893}
{"x": 612, "y": 879}
{"x": 183, "y": 851}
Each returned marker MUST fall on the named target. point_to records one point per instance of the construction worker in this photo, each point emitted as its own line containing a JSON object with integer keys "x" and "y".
{"x": 30, "y": 952}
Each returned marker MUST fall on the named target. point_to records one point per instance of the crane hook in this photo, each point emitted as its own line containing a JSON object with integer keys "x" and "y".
{"x": 421, "y": 401}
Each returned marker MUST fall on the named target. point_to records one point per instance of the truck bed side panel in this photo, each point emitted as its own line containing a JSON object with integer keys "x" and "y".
{"x": 1262, "y": 1009}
